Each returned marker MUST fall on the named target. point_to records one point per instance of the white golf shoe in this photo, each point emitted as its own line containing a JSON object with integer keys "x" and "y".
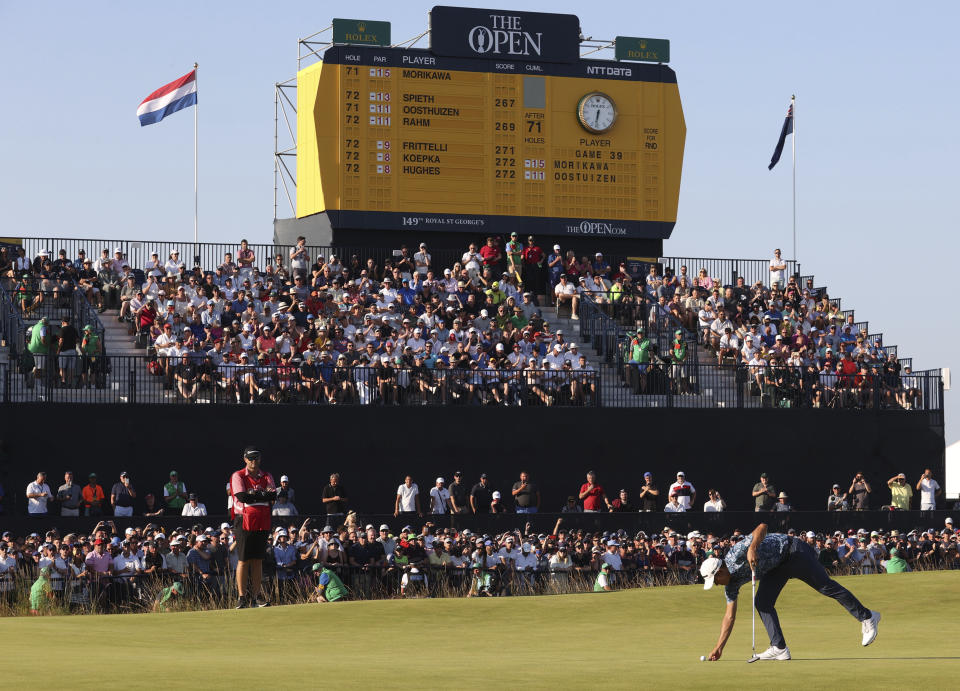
{"x": 869, "y": 627}
{"x": 772, "y": 653}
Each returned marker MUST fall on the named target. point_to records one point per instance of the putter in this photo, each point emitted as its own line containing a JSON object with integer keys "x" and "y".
{"x": 753, "y": 616}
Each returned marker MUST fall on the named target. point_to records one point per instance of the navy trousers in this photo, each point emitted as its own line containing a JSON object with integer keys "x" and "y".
{"x": 802, "y": 564}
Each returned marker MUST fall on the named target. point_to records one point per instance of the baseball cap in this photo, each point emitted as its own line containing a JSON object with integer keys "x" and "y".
{"x": 648, "y": 474}
{"x": 384, "y": 526}
{"x": 440, "y": 479}
{"x": 496, "y": 495}
{"x": 284, "y": 478}
{"x": 811, "y": 534}
{"x": 708, "y": 570}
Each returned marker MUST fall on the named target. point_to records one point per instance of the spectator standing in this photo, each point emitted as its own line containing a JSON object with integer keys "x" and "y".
{"x": 685, "y": 492}
{"x": 459, "y": 502}
{"x": 122, "y": 495}
{"x": 900, "y": 492}
{"x": 174, "y": 495}
{"x": 334, "y": 499}
{"x": 777, "y": 268}
{"x": 93, "y": 497}
{"x": 764, "y": 494}
{"x": 407, "y": 502}
{"x": 481, "y": 495}
{"x": 285, "y": 487}
{"x": 837, "y": 501}
{"x": 68, "y": 496}
{"x": 714, "y": 503}
{"x": 782, "y": 503}
{"x": 439, "y": 498}
{"x": 859, "y": 493}
{"x": 929, "y": 491}
{"x": 193, "y": 507}
{"x": 592, "y": 495}
{"x": 649, "y": 494}
{"x": 38, "y": 494}
{"x": 526, "y": 495}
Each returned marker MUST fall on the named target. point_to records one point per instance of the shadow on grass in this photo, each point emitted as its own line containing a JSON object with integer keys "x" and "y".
{"x": 885, "y": 657}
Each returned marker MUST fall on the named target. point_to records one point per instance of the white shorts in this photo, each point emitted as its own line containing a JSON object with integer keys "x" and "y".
{"x": 122, "y": 510}
{"x": 924, "y": 506}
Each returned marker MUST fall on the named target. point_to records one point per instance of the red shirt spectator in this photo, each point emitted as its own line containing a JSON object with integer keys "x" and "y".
{"x": 592, "y": 494}
{"x": 490, "y": 253}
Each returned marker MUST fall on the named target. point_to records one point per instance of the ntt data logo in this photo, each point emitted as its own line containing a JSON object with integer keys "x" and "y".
{"x": 596, "y": 228}
{"x": 505, "y": 36}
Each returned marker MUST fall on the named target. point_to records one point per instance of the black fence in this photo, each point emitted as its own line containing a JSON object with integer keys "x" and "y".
{"x": 160, "y": 379}
{"x": 606, "y": 326}
{"x": 209, "y": 255}
{"x": 727, "y": 271}
{"x": 662, "y": 384}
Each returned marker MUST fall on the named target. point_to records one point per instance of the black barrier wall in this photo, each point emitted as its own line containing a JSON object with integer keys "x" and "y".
{"x": 803, "y": 451}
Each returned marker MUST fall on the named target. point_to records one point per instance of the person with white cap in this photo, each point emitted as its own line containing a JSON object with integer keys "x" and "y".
{"x": 554, "y": 268}
{"x": 439, "y": 498}
{"x": 771, "y": 560}
{"x": 684, "y": 491}
{"x": 782, "y": 503}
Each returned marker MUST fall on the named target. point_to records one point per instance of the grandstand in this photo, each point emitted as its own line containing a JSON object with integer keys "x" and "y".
{"x": 513, "y": 350}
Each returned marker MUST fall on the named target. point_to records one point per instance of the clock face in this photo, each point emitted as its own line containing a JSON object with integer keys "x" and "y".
{"x": 596, "y": 112}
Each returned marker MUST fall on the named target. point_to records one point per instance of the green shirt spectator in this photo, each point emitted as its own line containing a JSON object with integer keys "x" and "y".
{"x": 166, "y": 594}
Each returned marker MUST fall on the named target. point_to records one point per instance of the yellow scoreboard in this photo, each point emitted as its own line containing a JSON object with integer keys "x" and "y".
{"x": 405, "y": 139}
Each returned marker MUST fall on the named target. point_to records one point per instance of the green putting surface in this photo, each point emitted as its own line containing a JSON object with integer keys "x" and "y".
{"x": 625, "y": 639}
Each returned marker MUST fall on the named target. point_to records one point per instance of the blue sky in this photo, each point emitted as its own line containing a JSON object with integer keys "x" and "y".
{"x": 876, "y": 93}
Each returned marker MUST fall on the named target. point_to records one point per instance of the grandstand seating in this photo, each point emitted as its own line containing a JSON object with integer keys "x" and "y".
{"x": 482, "y": 315}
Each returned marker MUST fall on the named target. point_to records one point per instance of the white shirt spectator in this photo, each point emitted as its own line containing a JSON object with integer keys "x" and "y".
{"x": 38, "y": 504}
{"x": 614, "y": 560}
{"x": 408, "y": 496}
{"x": 190, "y": 510}
{"x": 777, "y": 265}
{"x": 422, "y": 261}
{"x": 683, "y": 491}
{"x": 928, "y": 494}
{"x": 8, "y": 568}
{"x": 129, "y": 565}
{"x": 526, "y": 560}
{"x": 673, "y": 508}
{"x": 714, "y": 505}
{"x": 439, "y": 500}
{"x": 509, "y": 555}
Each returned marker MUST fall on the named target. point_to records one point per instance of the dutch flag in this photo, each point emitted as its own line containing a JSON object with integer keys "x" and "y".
{"x": 177, "y": 95}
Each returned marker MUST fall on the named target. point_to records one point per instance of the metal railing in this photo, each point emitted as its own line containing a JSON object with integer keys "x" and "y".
{"x": 13, "y": 331}
{"x": 142, "y": 379}
{"x": 606, "y": 326}
{"x": 209, "y": 255}
{"x": 146, "y": 379}
{"x": 84, "y": 314}
{"x": 660, "y": 384}
{"x": 726, "y": 271}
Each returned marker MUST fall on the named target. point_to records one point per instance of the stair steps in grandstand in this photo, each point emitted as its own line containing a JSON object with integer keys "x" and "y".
{"x": 720, "y": 392}
{"x": 116, "y": 337}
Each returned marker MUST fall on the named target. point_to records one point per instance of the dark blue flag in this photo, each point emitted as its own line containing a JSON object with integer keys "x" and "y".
{"x": 787, "y": 129}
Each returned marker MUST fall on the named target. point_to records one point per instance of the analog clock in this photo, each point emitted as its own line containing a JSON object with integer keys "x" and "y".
{"x": 596, "y": 112}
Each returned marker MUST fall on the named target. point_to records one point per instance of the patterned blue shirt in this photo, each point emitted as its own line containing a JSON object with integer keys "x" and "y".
{"x": 771, "y": 553}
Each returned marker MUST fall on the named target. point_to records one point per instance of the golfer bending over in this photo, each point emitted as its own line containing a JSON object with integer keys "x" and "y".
{"x": 776, "y": 558}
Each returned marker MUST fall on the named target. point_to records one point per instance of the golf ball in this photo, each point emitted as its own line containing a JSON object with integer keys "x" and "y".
{"x": 703, "y": 658}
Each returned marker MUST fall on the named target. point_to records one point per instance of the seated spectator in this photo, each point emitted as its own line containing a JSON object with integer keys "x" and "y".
{"x": 193, "y": 507}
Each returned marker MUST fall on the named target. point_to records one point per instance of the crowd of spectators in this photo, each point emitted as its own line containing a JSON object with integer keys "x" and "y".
{"x": 460, "y": 497}
{"x": 332, "y": 330}
{"x": 147, "y": 567}
{"x": 793, "y": 345}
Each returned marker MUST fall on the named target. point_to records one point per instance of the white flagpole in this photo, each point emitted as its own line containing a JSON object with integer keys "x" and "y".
{"x": 793, "y": 145}
{"x": 196, "y": 115}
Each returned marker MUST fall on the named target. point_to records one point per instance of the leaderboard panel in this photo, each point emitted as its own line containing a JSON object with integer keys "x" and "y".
{"x": 405, "y": 138}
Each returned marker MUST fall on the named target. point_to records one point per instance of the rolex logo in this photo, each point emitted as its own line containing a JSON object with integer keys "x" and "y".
{"x": 361, "y": 27}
